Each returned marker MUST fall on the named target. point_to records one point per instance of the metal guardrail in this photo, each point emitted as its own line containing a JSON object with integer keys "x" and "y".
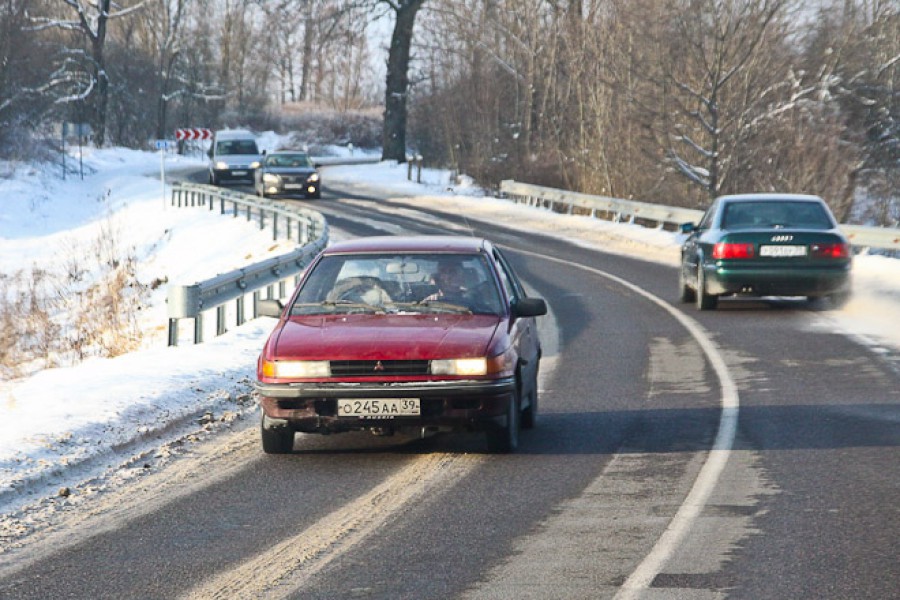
{"x": 307, "y": 227}
{"x": 614, "y": 209}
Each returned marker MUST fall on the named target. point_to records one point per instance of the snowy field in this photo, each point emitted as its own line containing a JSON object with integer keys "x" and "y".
{"x": 53, "y": 420}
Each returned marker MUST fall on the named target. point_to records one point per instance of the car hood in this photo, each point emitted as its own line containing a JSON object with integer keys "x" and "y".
{"x": 384, "y": 337}
{"x": 290, "y": 170}
{"x": 238, "y": 159}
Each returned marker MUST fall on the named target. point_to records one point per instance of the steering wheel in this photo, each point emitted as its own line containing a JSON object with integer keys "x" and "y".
{"x": 367, "y": 290}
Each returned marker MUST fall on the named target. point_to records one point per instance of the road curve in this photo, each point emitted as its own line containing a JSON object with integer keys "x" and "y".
{"x": 640, "y": 480}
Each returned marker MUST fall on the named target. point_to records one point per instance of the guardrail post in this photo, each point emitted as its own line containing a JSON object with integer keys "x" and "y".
{"x": 220, "y": 320}
{"x": 173, "y": 332}
{"x": 274, "y": 226}
{"x": 255, "y": 300}
{"x": 240, "y": 311}
{"x": 198, "y": 329}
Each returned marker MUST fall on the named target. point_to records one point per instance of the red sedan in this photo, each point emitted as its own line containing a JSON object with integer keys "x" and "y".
{"x": 402, "y": 333}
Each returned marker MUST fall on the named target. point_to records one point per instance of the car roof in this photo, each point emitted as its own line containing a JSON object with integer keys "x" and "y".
{"x": 769, "y": 197}
{"x": 234, "y": 134}
{"x": 417, "y": 244}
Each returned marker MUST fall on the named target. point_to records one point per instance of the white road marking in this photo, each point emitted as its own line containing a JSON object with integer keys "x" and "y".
{"x": 642, "y": 577}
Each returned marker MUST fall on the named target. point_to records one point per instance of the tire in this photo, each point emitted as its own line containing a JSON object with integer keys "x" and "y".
{"x": 686, "y": 295}
{"x": 505, "y": 439}
{"x": 529, "y": 415}
{"x": 704, "y": 301}
{"x": 276, "y": 439}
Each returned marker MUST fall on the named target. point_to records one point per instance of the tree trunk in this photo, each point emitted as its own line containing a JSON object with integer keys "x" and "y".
{"x": 397, "y": 88}
{"x": 101, "y": 97}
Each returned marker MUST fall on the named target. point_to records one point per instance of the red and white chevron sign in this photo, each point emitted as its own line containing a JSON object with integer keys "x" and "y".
{"x": 193, "y": 134}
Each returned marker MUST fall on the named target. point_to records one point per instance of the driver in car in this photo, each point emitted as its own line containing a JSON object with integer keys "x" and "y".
{"x": 451, "y": 285}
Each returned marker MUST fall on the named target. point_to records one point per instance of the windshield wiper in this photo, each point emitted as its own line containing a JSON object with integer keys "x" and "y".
{"x": 445, "y": 306}
{"x": 334, "y": 306}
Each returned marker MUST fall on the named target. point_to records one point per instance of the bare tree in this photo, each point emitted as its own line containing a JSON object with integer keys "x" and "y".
{"x": 869, "y": 89}
{"x": 23, "y": 75}
{"x": 397, "y": 84}
{"x": 90, "y": 21}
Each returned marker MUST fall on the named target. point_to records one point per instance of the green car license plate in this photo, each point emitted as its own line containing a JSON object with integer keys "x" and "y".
{"x": 782, "y": 251}
{"x": 378, "y": 407}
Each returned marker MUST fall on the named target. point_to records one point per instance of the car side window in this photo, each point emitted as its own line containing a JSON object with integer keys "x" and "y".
{"x": 511, "y": 284}
{"x": 706, "y": 221}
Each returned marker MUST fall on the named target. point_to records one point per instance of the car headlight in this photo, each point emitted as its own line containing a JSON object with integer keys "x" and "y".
{"x": 270, "y": 178}
{"x": 296, "y": 369}
{"x": 460, "y": 366}
{"x": 222, "y": 165}
{"x": 254, "y": 164}
{"x": 313, "y": 178}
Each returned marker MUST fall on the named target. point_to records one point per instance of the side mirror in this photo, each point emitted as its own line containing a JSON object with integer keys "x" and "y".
{"x": 269, "y": 308}
{"x": 529, "y": 307}
{"x": 688, "y": 228}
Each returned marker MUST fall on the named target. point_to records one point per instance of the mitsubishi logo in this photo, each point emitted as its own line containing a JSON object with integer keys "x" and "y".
{"x": 378, "y": 366}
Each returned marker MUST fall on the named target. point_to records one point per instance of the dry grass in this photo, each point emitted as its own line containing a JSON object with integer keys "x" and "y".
{"x": 88, "y": 307}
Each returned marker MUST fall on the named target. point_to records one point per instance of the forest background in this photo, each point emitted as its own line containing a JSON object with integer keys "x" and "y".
{"x": 669, "y": 101}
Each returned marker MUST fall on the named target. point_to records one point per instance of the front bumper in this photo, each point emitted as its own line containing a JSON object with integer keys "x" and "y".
{"x": 286, "y": 187}
{"x": 237, "y": 174}
{"x": 312, "y": 407}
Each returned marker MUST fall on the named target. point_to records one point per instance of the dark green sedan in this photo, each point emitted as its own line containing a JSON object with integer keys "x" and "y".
{"x": 765, "y": 245}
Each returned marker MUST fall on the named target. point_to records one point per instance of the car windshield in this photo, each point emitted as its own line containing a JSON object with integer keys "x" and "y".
{"x": 777, "y": 215}
{"x": 399, "y": 284}
{"x": 288, "y": 160}
{"x": 237, "y": 147}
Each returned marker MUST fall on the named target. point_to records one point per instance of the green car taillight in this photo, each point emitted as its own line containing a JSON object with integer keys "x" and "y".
{"x": 837, "y": 250}
{"x": 727, "y": 250}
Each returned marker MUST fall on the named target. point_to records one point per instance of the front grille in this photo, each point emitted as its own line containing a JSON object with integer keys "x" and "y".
{"x": 366, "y": 368}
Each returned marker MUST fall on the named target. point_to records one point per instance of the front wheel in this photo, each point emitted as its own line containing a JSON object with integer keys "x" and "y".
{"x": 276, "y": 438}
{"x": 505, "y": 439}
{"x": 529, "y": 415}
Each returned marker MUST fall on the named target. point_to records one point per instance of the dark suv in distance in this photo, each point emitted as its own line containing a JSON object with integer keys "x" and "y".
{"x": 287, "y": 172}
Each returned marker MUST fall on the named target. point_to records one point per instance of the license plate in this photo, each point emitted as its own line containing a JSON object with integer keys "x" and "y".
{"x": 293, "y": 186}
{"x": 378, "y": 408}
{"x": 239, "y": 173}
{"x": 782, "y": 251}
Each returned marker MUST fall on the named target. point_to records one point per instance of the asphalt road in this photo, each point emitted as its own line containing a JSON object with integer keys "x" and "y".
{"x": 804, "y": 503}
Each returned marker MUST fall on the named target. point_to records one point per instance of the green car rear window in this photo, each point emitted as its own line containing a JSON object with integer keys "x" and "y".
{"x": 767, "y": 215}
